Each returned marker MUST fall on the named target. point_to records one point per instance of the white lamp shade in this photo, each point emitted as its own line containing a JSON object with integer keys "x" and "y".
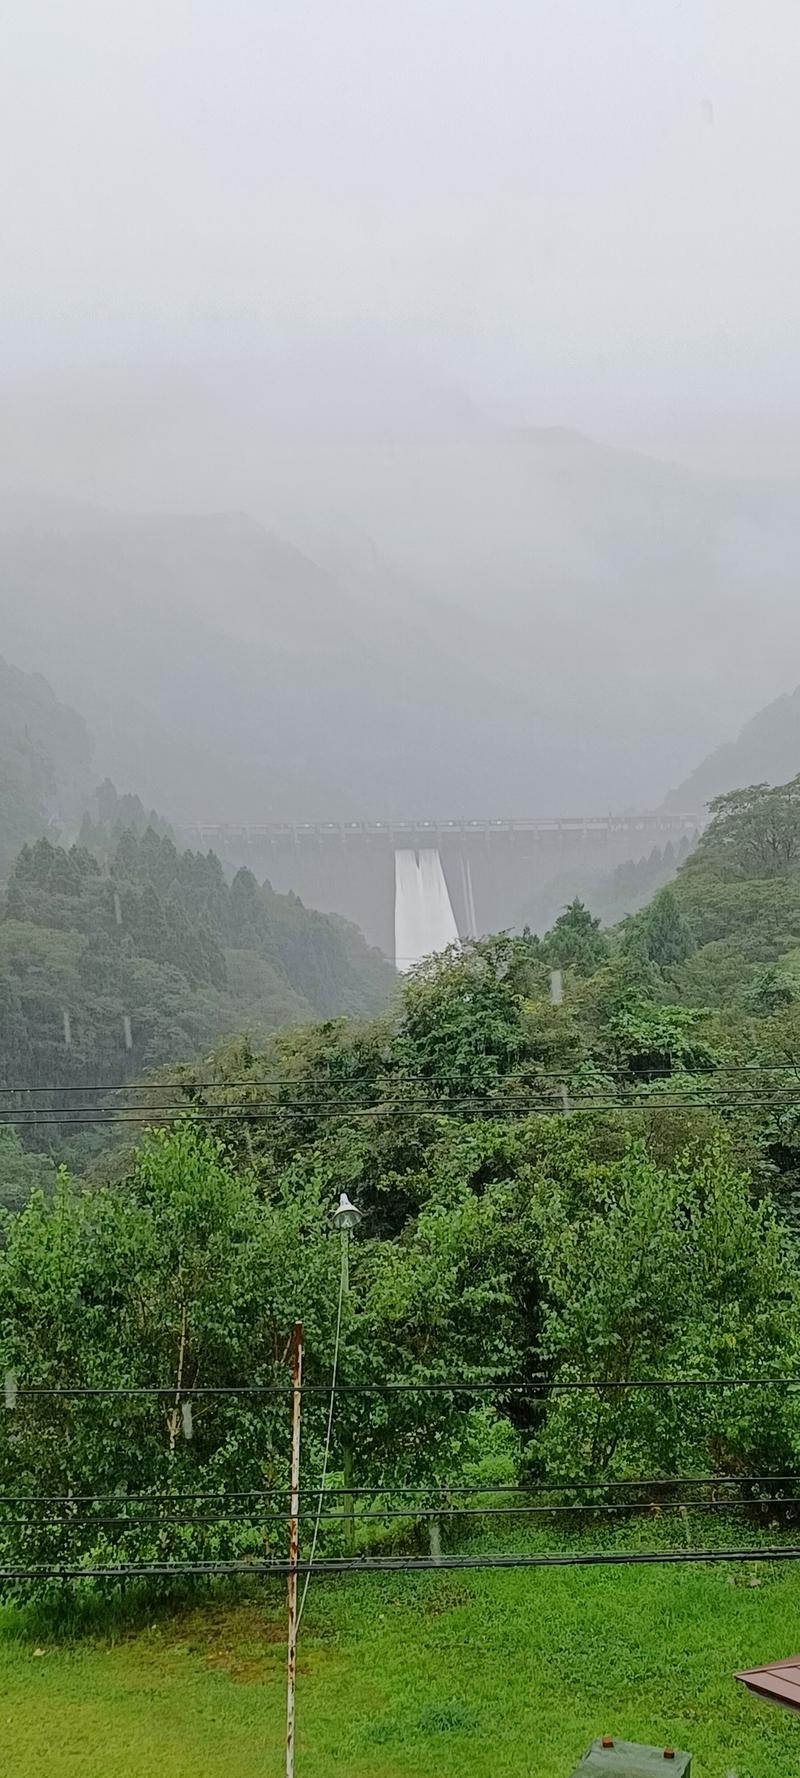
{"x": 345, "y": 1216}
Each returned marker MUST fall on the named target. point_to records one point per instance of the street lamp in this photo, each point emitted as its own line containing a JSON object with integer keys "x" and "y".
{"x": 345, "y": 1216}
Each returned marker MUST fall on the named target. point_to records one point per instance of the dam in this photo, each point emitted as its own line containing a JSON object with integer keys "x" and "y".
{"x": 402, "y": 880}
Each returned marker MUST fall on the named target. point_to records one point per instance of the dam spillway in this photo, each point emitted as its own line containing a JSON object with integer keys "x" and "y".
{"x": 498, "y": 873}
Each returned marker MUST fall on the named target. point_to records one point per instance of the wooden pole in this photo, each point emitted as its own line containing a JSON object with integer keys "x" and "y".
{"x": 294, "y": 1543}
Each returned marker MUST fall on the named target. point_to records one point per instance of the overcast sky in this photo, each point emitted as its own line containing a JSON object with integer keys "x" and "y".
{"x": 321, "y": 261}
{"x": 569, "y": 211}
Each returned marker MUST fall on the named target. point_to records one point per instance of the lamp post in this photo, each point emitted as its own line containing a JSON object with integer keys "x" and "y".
{"x": 346, "y": 1218}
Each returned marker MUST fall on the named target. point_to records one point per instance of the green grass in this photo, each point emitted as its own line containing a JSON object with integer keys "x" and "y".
{"x": 478, "y": 1675}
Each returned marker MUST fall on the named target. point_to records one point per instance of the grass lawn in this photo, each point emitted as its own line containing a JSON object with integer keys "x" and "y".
{"x": 478, "y": 1675}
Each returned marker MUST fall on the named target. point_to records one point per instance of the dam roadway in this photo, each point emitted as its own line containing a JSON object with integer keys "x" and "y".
{"x": 498, "y": 873}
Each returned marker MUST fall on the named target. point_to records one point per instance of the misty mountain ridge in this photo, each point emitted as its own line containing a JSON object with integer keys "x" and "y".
{"x": 463, "y": 620}
{"x": 125, "y": 949}
{"x": 238, "y": 680}
{"x": 767, "y": 751}
{"x": 45, "y": 761}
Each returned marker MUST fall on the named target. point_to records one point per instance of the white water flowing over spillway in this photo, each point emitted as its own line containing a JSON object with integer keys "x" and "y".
{"x": 423, "y": 915}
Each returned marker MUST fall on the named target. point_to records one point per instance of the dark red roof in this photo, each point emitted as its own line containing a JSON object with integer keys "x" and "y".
{"x": 779, "y": 1683}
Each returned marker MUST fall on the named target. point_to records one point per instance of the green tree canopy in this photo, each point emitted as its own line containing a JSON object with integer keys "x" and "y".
{"x": 753, "y": 832}
{"x": 576, "y": 940}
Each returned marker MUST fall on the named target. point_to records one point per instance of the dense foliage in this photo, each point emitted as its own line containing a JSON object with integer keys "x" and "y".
{"x": 576, "y": 1157}
{"x": 152, "y": 956}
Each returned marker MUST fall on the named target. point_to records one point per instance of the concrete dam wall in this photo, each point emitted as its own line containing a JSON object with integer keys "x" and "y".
{"x": 396, "y": 879}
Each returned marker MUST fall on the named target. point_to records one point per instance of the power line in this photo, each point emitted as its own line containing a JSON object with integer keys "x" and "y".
{"x": 494, "y": 1103}
{"x": 401, "y": 1490}
{"x": 451, "y": 1386}
{"x": 400, "y": 1564}
{"x": 790, "y": 1064}
{"x": 425, "y": 1091}
{"x": 379, "y": 1108}
{"x": 252, "y": 1520}
{"x": 208, "y": 1116}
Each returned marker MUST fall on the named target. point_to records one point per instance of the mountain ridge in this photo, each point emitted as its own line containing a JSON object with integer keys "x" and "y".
{"x": 497, "y": 608}
{"x": 45, "y": 761}
{"x": 766, "y": 751}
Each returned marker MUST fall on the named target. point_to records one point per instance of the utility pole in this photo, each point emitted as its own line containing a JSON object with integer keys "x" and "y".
{"x": 294, "y": 1543}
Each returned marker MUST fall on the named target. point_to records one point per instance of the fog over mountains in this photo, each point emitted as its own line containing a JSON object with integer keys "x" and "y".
{"x": 45, "y": 763}
{"x": 767, "y": 751}
{"x": 429, "y": 613}
{"x": 400, "y": 405}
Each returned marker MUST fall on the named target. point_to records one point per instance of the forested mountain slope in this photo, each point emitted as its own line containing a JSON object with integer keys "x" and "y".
{"x": 109, "y": 969}
{"x": 518, "y": 1157}
{"x": 767, "y": 751}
